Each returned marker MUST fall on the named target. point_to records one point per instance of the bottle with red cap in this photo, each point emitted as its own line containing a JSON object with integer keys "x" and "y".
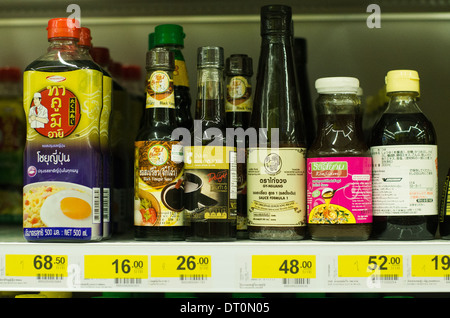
{"x": 12, "y": 140}
{"x": 62, "y": 99}
{"x": 85, "y": 45}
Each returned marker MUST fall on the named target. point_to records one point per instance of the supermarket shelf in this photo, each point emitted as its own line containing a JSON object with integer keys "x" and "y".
{"x": 242, "y": 266}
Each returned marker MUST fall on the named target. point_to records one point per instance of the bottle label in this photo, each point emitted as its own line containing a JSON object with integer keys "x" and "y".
{"x": 276, "y": 187}
{"x": 180, "y": 74}
{"x": 158, "y": 182}
{"x": 210, "y": 183}
{"x": 239, "y": 95}
{"x": 62, "y": 179}
{"x": 445, "y": 200}
{"x": 160, "y": 91}
{"x": 339, "y": 190}
{"x": 405, "y": 180}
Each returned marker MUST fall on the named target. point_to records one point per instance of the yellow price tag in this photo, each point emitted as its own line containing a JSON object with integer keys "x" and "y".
{"x": 36, "y": 265}
{"x": 283, "y": 266}
{"x": 183, "y": 266}
{"x": 368, "y": 265}
{"x": 430, "y": 266}
{"x": 115, "y": 266}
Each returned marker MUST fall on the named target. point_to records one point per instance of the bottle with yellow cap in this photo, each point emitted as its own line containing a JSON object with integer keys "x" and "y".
{"x": 404, "y": 152}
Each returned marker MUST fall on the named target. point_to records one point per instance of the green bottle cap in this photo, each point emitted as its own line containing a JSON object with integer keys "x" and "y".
{"x": 169, "y": 34}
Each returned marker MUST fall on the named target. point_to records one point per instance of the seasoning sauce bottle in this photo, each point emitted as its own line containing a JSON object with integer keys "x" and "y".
{"x": 62, "y": 157}
{"x": 404, "y": 151}
{"x": 339, "y": 165}
{"x": 172, "y": 37}
{"x": 444, "y": 220}
{"x": 276, "y": 167}
{"x": 210, "y": 180}
{"x": 238, "y": 110}
{"x": 158, "y": 211}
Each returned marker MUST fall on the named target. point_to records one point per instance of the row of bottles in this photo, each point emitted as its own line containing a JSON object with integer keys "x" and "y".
{"x": 251, "y": 165}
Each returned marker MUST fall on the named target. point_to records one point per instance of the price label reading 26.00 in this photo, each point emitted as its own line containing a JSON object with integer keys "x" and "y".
{"x": 283, "y": 266}
{"x": 115, "y": 266}
{"x": 181, "y": 266}
{"x": 368, "y": 265}
{"x": 49, "y": 266}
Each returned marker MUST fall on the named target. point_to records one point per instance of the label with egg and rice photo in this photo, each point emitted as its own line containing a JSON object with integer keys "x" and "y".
{"x": 62, "y": 158}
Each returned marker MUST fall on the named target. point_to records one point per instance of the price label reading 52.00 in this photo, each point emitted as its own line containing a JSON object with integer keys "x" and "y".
{"x": 368, "y": 265}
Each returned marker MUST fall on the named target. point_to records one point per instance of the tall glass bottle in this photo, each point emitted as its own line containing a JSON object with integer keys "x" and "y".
{"x": 444, "y": 219}
{"x": 404, "y": 151}
{"x": 210, "y": 165}
{"x": 238, "y": 110}
{"x": 339, "y": 165}
{"x": 158, "y": 211}
{"x": 276, "y": 176}
{"x": 172, "y": 37}
{"x": 62, "y": 103}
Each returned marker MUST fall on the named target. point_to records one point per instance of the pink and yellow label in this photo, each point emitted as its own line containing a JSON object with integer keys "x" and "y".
{"x": 339, "y": 190}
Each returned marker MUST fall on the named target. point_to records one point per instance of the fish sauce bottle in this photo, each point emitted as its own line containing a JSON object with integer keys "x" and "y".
{"x": 339, "y": 165}
{"x": 62, "y": 157}
{"x": 172, "y": 36}
{"x": 444, "y": 216}
{"x": 276, "y": 167}
{"x": 210, "y": 179}
{"x": 85, "y": 47}
{"x": 238, "y": 110}
{"x": 158, "y": 195}
{"x": 12, "y": 142}
{"x": 404, "y": 152}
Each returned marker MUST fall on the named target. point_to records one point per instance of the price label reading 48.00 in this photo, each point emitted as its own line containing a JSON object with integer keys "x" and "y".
{"x": 388, "y": 266}
{"x": 40, "y": 266}
{"x": 283, "y": 266}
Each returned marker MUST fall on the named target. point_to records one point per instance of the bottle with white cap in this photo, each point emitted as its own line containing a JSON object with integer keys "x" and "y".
{"x": 339, "y": 165}
{"x": 404, "y": 150}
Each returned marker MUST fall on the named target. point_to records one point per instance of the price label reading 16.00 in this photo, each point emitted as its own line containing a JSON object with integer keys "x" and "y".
{"x": 115, "y": 266}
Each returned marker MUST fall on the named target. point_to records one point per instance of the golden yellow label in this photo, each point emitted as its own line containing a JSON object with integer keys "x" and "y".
{"x": 283, "y": 266}
{"x": 44, "y": 266}
{"x": 368, "y": 265}
{"x": 185, "y": 266}
{"x": 238, "y": 95}
{"x": 115, "y": 266}
{"x": 160, "y": 90}
{"x": 180, "y": 74}
{"x": 276, "y": 187}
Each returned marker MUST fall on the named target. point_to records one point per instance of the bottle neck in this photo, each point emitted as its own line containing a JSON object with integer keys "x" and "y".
{"x": 160, "y": 104}
{"x": 403, "y": 102}
{"x": 210, "y": 98}
{"x": 62, "y": 50}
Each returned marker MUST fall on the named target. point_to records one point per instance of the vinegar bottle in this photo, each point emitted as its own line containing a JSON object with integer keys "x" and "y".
{"x": 404, "y": 151}
{"x": 444, "y": 225}
{"x": 339, "y": 165}
{"x": 276, "y": 176}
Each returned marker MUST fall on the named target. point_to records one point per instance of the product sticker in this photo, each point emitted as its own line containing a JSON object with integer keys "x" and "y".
{"x": 159, "y": 184}
{"x": 238, "y": 95}
{"x": 339, "y": 190}
{"x": 180, "y": 74}
{"x": 276, "y": 192}
{"x": 405, "y": 180}
{"x": 160, "y": 90}
{"x": 62, "y": 175}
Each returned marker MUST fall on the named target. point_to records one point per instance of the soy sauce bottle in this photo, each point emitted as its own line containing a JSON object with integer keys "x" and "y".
{"x": 210, "y": 180}
{"x": 444, "y": 220}
{"x": 238, "y": 109}
{"x": 158, "y": 168}
{"x": 276, "y": 167}
{"x": 404, "y": 151}
{"x": 339, "y": 165}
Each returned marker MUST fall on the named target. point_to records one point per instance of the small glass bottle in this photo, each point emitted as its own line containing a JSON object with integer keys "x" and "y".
{"x": 238, "y": 109}
{"x": 404, "y": 151}
{"x": 210, "y": 180}
{"x": 276, "y": 167}
{"x": 444, "y": 219}
{"x": 62, "y": 103}
{"x": 158, "y": 211}
{"x": 339, "y": 165}
{"x": 172, "y": 37}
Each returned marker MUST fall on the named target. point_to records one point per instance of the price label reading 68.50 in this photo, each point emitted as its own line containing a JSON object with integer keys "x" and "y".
{"x": 36, "y": 265}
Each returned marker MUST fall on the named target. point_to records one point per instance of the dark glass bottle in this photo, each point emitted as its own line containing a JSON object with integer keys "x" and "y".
{"x": 404, "y": 152}
{"x": 210, "y": 165}
{"x": 276, "y": 176}
{"x": 158, "y": 212}
{"x": 309, "y": 114}
{"x": 172, "y": 37}
{"x": 238, "y": 110}
{"x": 339, "y": 165}
{"x": 444, "y": 220}
{"x": 55, "y": 86}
